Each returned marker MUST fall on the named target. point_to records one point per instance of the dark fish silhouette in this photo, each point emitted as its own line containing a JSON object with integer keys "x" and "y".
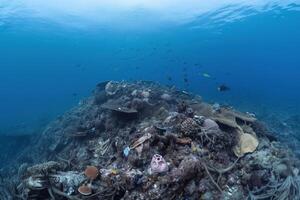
{"x": 169, "y": 78}
{"x": 223, "y": 88}
{"x": 80, "y": 67}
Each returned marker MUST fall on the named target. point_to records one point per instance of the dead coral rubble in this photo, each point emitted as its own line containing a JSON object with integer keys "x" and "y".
{"x": 145, "y": 141}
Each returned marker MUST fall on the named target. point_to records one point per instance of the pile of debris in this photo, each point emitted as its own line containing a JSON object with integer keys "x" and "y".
{"x": 145, "y": 141}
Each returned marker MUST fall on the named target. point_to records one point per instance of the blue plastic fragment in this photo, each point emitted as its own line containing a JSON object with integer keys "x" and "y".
{"x": 126, "y": 151}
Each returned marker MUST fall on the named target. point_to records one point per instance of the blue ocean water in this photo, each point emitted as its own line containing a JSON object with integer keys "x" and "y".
{"x": 52, "y": 54}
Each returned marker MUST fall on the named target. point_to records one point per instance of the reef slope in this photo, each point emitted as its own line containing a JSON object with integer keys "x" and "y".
{"x": 142, "y": 140}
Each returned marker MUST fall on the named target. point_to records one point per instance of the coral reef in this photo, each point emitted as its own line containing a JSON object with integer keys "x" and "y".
{"x": 142, "y": 140}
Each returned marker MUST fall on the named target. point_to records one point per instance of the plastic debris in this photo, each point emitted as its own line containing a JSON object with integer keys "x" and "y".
{"x": 126, "y": 151}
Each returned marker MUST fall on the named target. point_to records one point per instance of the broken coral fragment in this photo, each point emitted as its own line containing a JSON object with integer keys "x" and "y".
{"x": 185, "y": 140}
{"x": 230, "y": 122}
{"x": 46, "y": 167}
{"x": 247, "y": 144}
{"x": 145, "y": 94}
{"x": 35, "y": 183}
{"x": 233, "y": 119}
{"x": 166, "y": 97}
{"x": 139, "y": 150}
{"x": 210, "y": 124}
{"x": 243, "y": 116}
{"x": 69, "y": 180}
{"x": 118, "y": 108}
{"x": 141, "y": 140}
{"x": 111, "y": 88}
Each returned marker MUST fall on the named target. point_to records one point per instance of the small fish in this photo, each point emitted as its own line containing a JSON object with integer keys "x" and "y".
{"x": 206, "y": 75}
{"x": 80, "y": 67}
{"x": 223, "y": 88}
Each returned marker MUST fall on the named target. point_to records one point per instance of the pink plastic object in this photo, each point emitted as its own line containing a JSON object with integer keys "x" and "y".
{"x": 158, "y": 164}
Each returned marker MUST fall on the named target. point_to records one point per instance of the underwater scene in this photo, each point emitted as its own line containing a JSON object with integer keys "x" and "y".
{"x": 150, "y": 99}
